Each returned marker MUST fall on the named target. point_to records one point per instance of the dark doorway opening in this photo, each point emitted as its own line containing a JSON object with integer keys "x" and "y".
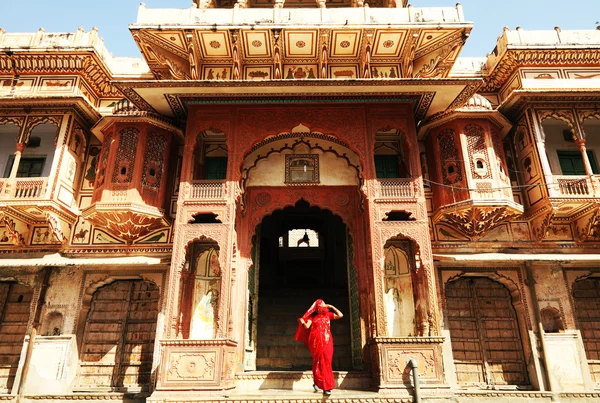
{"x": 303, "y": 257}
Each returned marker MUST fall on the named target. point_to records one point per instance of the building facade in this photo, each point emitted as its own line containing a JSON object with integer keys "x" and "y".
{"x": 164, "y": 220}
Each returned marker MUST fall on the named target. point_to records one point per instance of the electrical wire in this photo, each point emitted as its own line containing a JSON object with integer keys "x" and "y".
{"x": 489, "y": 189}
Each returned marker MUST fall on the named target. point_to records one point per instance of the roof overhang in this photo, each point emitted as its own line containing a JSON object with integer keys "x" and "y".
{"x": 82, "y": 109}
{"x": 172, "y": 97}
{"x": 515, "y": 103}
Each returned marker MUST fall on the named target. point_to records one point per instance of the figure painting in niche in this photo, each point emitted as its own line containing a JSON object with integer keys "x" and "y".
{"x": 205, "y": 302}
{"x": 399, "y": 296}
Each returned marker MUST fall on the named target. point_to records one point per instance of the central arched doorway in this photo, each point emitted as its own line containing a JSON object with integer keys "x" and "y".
{"x": 300, "y": 255}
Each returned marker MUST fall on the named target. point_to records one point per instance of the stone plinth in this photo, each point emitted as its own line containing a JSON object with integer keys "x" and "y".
{"x": 390, "y": 355}
{"x": 196, "y": 365}
{"x": 566, "y": 363}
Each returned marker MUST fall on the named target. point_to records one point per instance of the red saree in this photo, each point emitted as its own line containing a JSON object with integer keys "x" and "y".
{"x": 319, "y": 341}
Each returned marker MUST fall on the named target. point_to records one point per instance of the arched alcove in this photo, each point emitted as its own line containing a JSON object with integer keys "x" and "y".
{"x": 301, "y": 158}
{"x": 210, "y": 156}
{"x": 38, "y": 155}
{"x": 399, "y": 295}
{"x": 392, "y": 155}
{"x": 201, "y": 290}
{"x": 563, "y": 154}
{"x": 288, "y": 275}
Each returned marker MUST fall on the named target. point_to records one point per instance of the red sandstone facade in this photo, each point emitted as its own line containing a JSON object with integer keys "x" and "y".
{"x": 163, "y": 221}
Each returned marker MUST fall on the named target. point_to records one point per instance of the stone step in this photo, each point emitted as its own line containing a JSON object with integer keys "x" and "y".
{"x": 297, "y": 381}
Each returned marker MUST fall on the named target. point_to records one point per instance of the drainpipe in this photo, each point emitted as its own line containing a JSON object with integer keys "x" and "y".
{"x": 414, "y": 366}
{"x": 37, "y": 313}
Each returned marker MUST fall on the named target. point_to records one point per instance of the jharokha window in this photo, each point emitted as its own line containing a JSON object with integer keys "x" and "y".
{"x": 301, "y": 169}
{"x": 300, "y": 238}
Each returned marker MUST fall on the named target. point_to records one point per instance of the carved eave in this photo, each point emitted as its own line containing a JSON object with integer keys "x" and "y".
{"x": 515, "y": 56}
{"x": 126, "y": 221}
{"x": 171, "y": 98}
{"x": 140, "y": 117}
{"x": 55, "y": 105}
{"x": 271, "y": 43}
{"x": 494, "y": 116}
{"x": 84, "y": 63}
{"x": 515, "y": 104}
{"x": 21, "y": 218}
{"x": 475, "y": 218}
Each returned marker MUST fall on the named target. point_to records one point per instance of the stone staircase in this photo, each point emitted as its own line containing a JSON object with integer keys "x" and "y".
{"x": 278, "y": 313}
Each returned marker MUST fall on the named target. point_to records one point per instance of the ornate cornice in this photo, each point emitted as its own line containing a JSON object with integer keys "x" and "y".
{"x": 86, "y": 64}
{"x": 516, "y": 57}
{"x": 50, "y": 106}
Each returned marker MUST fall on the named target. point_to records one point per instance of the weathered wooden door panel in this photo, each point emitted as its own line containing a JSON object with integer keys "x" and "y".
{"x": 586, "y": 295}
{"x": 484, "y": 332}
{"x": 118, "y": 339}
{"x": 15, "y": 306}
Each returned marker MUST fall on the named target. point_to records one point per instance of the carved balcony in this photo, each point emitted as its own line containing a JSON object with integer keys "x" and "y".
{"x": 200, "y": 190}
{"x": 397, "y": 189}
{"x": 573, "y": 201}
{"x": 129, "y": 199}
{"x": 472, "y": 192}
{"x": 32, "y": 214}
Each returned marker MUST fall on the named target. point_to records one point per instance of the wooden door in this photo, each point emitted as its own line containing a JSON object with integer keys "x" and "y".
{"x": 486, "y": 342}
{"x": 586, "y": 295}
{"x": 15, "y": 306}
{"x": 118, "y": 340}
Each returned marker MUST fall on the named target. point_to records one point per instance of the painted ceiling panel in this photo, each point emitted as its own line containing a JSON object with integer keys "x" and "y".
{"x": 215, "y": 44}
{"x": 300, "y": 44}
{"x": 388, "y": 43}
{"x": 257, "y": 43}
{"x": 345, "y": 43}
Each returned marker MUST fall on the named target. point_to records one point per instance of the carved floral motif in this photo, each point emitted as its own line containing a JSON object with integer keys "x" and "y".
{"x": 475, "y": 222}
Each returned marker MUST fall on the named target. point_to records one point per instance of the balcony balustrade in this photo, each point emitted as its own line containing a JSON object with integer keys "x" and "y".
{"x": 206, "y": 190}
{"x": 402, "y": 188}
{"x": 23, "y": 188}
{"x": 574, "y": 186}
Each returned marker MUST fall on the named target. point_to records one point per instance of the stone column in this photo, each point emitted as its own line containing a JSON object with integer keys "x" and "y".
{"x": 17, "y": 160}
{"x": 586, "y": 161}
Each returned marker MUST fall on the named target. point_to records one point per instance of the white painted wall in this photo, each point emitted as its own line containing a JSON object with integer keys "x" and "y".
{"x": 8, "y": 146}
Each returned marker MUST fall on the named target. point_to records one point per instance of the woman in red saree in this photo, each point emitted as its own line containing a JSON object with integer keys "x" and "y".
{"x": 315, "y": 332}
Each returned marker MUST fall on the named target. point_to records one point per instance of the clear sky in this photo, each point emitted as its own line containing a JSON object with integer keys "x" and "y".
{"x": 113, "y": 16}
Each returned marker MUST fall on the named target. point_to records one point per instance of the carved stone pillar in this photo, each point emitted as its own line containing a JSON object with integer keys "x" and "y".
{"x": 586, "y": 161}
{"x": 17, "y": 160}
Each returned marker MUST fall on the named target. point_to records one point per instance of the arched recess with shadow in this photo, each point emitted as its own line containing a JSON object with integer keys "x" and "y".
{"x": 117, "y": 341}
{"x": 201, "y": 290}
{"x": 485, "y": 333}
{"x": 15, "y": 306}
{"x": 586, "y": 298}
{"x": 405, "y": 301}
{"x": 303, "y": 256}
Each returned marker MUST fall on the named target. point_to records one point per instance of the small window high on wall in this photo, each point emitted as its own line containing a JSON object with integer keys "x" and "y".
{"x": 216, "y": 168}
{"x": 386, "y": 166}
{"x": 300, "y": 238}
